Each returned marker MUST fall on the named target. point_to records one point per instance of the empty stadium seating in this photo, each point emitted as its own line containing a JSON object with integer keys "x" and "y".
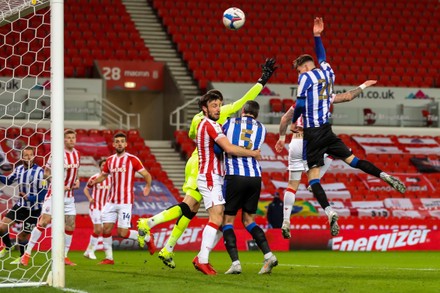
{"x": 378, "y": 42}
{"x": 354, "y": 185}
{"x": 395, "y": 44}
{"x": 94, "y": 30}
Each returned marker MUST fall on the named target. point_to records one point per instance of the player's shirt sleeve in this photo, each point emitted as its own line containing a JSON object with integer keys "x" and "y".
{"x": 7, "y": 180}
{"x": 299, "y": 121}
{"x": 326, "y": 67}
{"x": 319, "y": 49}
{"x": 90, "y": 180}
{"x": 137, "y": 165}
{"x": 304, "y": 83}
{"x": 194, "y": 125}
{"x": 215, "y": 131}
{"x": 228, "y": 110}
{"x": 105, "y": 167}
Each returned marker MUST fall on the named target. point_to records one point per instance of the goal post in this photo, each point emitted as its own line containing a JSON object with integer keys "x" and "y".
{"x": 31, "y": 75}
{"x": 57, "y": 127}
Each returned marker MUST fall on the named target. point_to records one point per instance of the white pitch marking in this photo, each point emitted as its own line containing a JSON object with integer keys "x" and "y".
{"x": 351, "y": 267}
{"x": 73, "y": 290}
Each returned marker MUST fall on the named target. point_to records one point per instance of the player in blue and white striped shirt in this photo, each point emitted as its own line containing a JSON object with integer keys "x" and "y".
{"x": 242, "y": 185}
{"x": 313, "y": 102}
{"x": 248, "y": 133}
{"x": 32, "y": 190}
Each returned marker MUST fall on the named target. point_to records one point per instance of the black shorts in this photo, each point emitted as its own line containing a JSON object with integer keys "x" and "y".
{"x": 321, "y": 140}
{"x": 241, "y": 192}
{"x": 28, "y": 217}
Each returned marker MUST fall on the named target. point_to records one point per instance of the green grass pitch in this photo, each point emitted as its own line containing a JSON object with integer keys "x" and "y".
{"x": 298, "y": 271}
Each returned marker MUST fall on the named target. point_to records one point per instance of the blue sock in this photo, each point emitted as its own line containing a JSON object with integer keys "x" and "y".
{"x": 314, "y": 181}
{"x": 227, "y": 227}
{"x": 250, "y": 226}
{"x": 354, "y": 162}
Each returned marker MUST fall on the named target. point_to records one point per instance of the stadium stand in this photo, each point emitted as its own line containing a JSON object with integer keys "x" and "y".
{"x": 88, "y": 37}
{"x": 354, "y": 46}
{"x": 404, "y": 156}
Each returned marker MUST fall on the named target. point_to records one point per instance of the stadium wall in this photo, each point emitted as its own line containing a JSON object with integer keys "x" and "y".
{"x": 308, "y": 233}
{"x": 392, "y": 106}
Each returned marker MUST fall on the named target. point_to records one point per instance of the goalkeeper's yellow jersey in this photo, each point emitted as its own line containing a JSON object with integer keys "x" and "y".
{"x": 226, "y": 111}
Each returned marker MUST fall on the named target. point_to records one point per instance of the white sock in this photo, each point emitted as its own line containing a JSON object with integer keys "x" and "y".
{"x": 289, "y": 200}
{"x": 67, "y": 243}
{"x": 328, "y": 210}
{"x": 327, "y": 162}
{"x": 35, "y": 235}
{"x": 133, "y": 234}
{"x": 208, "y": 239}
{"x": 383, "y": 175}
{"x": 236, "y": 262}
{"x": 92, "y": 243}
{"x": 107, "y": 241}
{"x": 218, "y": 236}
{"x": 268, "y": 255}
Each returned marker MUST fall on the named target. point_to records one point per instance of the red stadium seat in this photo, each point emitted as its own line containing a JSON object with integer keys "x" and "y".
{"x": 287, "y": 103}
{"x": 276, "y": 105}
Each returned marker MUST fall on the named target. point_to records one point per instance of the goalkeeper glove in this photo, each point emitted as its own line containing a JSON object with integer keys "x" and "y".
{"x": 268, "y": 69}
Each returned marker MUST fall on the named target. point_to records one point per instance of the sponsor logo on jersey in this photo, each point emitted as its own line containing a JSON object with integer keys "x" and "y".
{"x": 118, "y": 169}
{"x": 71, "y": 166}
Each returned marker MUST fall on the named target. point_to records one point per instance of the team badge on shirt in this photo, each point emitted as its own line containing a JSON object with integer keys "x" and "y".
{"x": 218, "y": 128}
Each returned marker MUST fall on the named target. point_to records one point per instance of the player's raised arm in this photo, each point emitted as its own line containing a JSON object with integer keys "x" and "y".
{"x": 284, "y": 123}
{"x": 318, "y": 28}
{"x": 267, "y": 70}
{"x": 353, "y": 93}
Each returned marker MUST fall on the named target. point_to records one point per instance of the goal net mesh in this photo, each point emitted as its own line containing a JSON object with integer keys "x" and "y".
{"x": 24, "y": 121}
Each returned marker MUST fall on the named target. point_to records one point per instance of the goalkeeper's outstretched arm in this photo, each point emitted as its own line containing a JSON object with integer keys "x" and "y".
{"x": 268, "y": 68}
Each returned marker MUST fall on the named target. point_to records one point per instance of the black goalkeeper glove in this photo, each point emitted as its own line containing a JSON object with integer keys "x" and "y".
{"x": 268, "y": 69}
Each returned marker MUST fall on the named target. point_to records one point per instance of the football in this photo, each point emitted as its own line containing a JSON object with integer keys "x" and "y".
{"x": 233, "y": 18}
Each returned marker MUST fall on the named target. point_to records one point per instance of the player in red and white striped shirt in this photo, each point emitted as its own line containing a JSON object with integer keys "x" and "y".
{"x": 98, "y": 198}
{"x": 71, "y": 182}
{"x": 122, "y": 166}
{"x": 211, "y": 172}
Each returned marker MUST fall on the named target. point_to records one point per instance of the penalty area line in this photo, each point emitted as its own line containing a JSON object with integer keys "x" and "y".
{"x": 73, "y": 290}
{"x": 353, "y": 267}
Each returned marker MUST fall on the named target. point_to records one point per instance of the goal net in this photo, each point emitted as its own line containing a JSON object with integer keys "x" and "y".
{"x": 25, "y": 109}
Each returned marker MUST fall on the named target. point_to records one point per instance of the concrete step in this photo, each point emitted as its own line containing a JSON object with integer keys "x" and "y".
{"x": 162, "y": 49}
{"x": 162, "y": 42}
{"x": 154, "y": 49}
{"x": 190, "y": 87}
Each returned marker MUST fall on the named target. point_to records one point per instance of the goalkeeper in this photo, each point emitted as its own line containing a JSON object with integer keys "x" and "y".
{"x": 187, "y": 209}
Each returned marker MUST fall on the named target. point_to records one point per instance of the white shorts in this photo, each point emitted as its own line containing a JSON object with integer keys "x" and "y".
{"x": 69, "y": 206}
{"x": 212, "y": 191}
{"x": 96, "y": 216}
{"x": 296, "y": 162}
{"x": 113, "y": 212}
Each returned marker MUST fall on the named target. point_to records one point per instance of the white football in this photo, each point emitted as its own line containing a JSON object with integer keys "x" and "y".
{"x": 233, "y": 18}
